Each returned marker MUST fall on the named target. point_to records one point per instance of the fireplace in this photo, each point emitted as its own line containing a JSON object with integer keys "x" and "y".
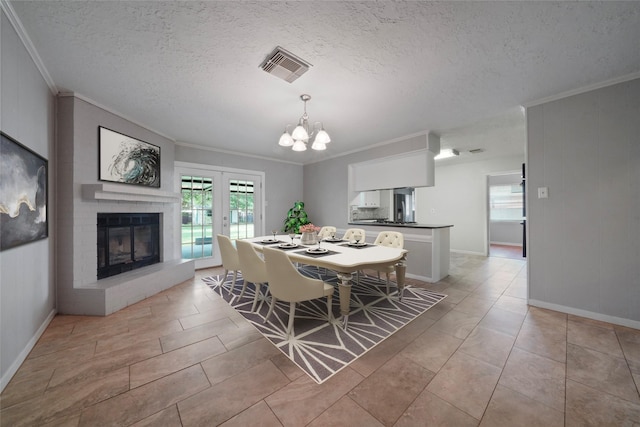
{"x": 127, "y": 241}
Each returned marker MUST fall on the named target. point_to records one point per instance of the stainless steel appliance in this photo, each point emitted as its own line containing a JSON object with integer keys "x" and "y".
{"x": 403, "y": 209}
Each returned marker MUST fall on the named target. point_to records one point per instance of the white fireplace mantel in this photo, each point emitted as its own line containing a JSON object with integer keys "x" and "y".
{"x": 129, "y": 193}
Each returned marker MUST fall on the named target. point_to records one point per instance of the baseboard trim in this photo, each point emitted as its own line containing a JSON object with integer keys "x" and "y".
{"x": 25, "y": 352}
{"x": 584, "y": 313}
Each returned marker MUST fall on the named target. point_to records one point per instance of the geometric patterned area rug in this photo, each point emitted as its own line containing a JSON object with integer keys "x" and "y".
{"x": 318, "y": 347}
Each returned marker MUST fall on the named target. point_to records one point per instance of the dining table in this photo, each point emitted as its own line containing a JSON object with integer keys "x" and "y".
{"x": 346, "y": 258}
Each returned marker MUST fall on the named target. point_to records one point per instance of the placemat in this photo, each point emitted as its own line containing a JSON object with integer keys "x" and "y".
{"x": 304, "y": 252}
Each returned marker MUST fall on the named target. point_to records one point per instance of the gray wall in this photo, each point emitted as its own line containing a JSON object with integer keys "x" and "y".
{"x": 584, "y": 240}
{"x": 282, "y": 186}
{"x": 27, "y": 288}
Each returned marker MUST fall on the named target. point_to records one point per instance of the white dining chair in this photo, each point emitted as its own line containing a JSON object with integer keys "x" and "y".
{"x": 230, "y": 260}
{"x": 253, "y": 269}
{"x": 351, "y": 232}
{"x": 392, "y": 239}
{"x": 287, "y": 284}
{"x": 326, "y": 231}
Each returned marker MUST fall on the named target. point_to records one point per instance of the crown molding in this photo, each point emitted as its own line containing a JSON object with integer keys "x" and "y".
{"x": 583, "y": 89}
{"x": 235, "y": 153}
{"x": 26, "y": 41}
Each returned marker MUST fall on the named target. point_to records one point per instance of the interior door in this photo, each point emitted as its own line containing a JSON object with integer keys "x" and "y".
{"x": 201, "y": 217}
{"x": 242, "y": 205}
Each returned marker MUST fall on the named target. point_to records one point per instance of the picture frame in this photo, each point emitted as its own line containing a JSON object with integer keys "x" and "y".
{"x": 127, "y": 160}
{"x": 23, "y": 194}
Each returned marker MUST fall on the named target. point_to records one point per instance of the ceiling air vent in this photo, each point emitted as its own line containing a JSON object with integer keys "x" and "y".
{"x": 476, "y": 150}
{"x": 284, "y": 65}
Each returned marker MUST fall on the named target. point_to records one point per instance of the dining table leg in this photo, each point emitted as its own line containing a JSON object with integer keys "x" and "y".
{"x": 344, "y": 287}
{"x": 401, "y": 269}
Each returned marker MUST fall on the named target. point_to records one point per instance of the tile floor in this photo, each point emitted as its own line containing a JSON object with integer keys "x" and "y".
{"x": 481, "y": 357}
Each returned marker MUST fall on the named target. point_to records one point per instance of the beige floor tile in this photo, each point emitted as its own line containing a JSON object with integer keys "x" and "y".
{"x": 234, "y": 362}
{"x": 429, "y": 410}
{"x": 290, "y": 369}
{"x": 146, "y": 400}
{"x": 105, "y": 363}
{"x": 536, "y": 377}
{"x": 366, "y": 364}
{"x": 432, "y": 349}
{"x": 454, "y": 296}
{"x": 602, "y": 372}
{"x": 547, "y": 339}
{"x": 70, "y": 420}
{"x": 436, "y": 312}
{"x": 259, "y": 415}
{"x": 345, "y": 412}
{"x": 457, "y": 324}
{"x": 466, "y": 383}
{"x": 195, "y": 334}
{"x": 224, "y": 400}
{"x": 168, "y": 417}
{"x": 594, "y": 337}
{"x": 25, "y": 385}
{"x": 189, "y": 322}
{"x": 173, "y": 361}
{"x": 152, "y": 331}
{"x": 508, "y": 408}
{"x": 243, "y": 334}
{"x": 590, "y": 407}
{"x": 57, "y": 402}
{"x": 488, "y": 345}
{"x": 509, "y": 303}
{"x": 475, "y": 305}
{"x": 503, "y": 321}
{"x": 391, "y": 389}
{"x": 303, "y": 400}
{"x": 630, "y": 341}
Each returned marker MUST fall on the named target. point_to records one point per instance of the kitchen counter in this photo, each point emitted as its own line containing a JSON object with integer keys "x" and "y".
{"x": 389, "y": 224}
{"x": 428, "y": 246}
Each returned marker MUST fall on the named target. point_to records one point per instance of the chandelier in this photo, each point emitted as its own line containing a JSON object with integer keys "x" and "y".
{"x": 303, "y": 133}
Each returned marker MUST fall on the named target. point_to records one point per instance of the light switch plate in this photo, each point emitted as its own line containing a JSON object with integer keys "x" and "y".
{"x": 543, "y": 192}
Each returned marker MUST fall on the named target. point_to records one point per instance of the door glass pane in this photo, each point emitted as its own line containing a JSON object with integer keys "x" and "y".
{"x": 197, "y": 216}
{"x": 241, "y": 209}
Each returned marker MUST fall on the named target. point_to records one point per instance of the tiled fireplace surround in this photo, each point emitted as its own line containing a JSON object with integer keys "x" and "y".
{"x": 79, "y": 291}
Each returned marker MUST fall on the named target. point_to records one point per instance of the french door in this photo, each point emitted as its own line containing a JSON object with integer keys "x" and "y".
{"x": 216, "y": 201}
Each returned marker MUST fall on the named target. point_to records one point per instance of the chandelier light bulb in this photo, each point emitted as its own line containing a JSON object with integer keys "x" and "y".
{"x": 323, "y": 137}
{"x": 299, "y": 146}
{"x": 285, "y": 140}
{"x": 318, "y": 145}
{"x": 300, "y": 134}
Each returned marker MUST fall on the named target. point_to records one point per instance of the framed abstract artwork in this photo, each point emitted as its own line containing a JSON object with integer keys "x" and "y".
{"x": 128, "y": 160}
{"x": 23, "y": 194}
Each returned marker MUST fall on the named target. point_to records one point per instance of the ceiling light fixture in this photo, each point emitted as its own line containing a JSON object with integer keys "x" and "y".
{"x": 446, "y": 153}
{"x": 302, "y": 133}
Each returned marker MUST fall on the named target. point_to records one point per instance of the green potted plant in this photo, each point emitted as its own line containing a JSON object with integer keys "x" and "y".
{"x": 295, "y": 218}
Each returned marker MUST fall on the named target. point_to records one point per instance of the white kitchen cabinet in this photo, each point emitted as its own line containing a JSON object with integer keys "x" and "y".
{"x": 369, "y": 199}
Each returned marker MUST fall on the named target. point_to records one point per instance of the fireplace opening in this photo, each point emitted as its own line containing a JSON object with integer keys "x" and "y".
{"x": 127, "y": 241}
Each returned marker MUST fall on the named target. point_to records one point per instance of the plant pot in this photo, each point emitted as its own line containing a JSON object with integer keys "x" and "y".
{"x": 309, "y": 238}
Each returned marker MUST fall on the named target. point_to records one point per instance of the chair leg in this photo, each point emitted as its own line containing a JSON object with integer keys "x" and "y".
{"x": 292, "y": 314}
{"x": 273, "y": 304}
{"x": 233, "y": 284}
{"x": 244, "y": 287}
{"x": 223, "y": 280}
{"x": 329, "y": 313}
{"x": 387, "y": 282}
{"x": 255, "y": 298}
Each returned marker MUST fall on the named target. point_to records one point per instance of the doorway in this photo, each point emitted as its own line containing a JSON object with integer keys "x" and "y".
{"x": 216, "y": 201}
{"x": 505, "y": 215}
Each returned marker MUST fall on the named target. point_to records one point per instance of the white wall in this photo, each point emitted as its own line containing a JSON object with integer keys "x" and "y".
{"x": 27, "y": 288}
{"x": 584, "y": 240}
{"x": 460, "y": 198}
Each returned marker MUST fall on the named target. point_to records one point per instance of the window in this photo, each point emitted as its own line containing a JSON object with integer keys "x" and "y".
{"x": 505, "y": 202}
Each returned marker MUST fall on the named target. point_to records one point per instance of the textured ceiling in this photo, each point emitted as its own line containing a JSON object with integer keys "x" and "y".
{"x": 381, "y": 70}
